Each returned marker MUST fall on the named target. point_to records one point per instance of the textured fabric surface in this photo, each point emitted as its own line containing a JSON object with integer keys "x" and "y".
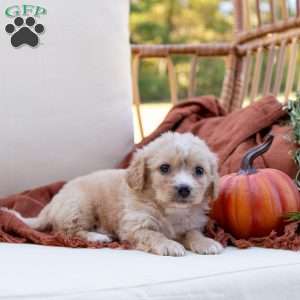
{"x": 230, "y": 136}
{"x": 38, "y": 272}
{"x": 288, "y": 239}
{"x": 29, "y": 204}
{"x": 65, "y": 104}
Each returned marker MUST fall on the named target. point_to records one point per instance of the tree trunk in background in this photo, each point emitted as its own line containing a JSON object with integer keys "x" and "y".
{"x": 170, "y": 11}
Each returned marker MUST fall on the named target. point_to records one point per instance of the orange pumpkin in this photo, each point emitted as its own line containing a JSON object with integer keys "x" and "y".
{"x": 251, "y": 203}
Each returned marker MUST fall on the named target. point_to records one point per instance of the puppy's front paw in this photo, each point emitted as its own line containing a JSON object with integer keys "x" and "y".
{"x": 98, "y": 237}
{"x": 206, "y": 246}
{"x": 168, "y": 248}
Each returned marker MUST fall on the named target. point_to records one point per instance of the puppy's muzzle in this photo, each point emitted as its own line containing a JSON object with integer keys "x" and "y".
{"x": 183, "y": 191}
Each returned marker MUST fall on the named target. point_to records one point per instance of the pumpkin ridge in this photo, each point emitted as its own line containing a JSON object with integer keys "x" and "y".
{"x": 236, "y": 204}
{"x": 244, "y": 205}
{"x": 255, "y": 200}
{"x": 295, "y": 191}
{"x": 229, "y": 201}
{"x": 286, "y": 189}
{"x": 273, "y": 186}
{"x": 274, "y": 198}
{"x": 269, "y": 213}
{"x": 252, "y": 214}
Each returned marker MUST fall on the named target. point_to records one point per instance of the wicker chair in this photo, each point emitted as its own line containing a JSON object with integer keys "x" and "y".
{"x": 260, "y": 60}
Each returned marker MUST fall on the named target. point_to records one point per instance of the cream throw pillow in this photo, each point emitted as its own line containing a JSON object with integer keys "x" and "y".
{"x": 65, "y": 96}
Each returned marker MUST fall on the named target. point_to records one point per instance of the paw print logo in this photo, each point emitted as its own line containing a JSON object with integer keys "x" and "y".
{"x": 24, "y": 32}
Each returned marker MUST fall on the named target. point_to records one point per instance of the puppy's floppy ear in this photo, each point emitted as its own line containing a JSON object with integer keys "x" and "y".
{"x": 213, "y": 188}
{"x": 136, "y": 172}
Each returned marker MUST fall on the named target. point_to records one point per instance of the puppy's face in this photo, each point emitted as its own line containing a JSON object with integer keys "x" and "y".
{"x": 178, "y": 169}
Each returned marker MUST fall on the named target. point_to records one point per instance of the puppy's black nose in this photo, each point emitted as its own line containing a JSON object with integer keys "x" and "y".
{"x": 183, "y": 190}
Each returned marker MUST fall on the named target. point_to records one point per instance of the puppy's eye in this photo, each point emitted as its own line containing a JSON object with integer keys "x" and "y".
{"x": 165, "y": 168}
{"x": 199, "y": 171}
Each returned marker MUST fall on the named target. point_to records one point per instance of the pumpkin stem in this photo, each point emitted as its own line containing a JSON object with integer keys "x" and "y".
{"x": 247, "y": 161}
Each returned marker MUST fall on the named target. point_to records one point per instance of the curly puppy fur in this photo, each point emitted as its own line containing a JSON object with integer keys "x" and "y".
{"x": 159, "y": 204}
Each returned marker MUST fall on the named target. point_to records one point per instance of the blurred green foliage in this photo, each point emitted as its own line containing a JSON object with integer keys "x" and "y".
{"x": 180, "y": 21}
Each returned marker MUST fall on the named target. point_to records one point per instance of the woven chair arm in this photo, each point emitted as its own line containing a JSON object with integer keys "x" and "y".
{"x": 205, "y": 49}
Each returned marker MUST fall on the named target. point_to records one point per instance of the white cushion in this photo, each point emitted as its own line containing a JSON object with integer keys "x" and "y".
{"x": 37, "y": 272}
{"x": 65, "y": 104}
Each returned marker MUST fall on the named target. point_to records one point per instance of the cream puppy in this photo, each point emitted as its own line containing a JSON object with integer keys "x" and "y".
{"x": 159, "y": 204}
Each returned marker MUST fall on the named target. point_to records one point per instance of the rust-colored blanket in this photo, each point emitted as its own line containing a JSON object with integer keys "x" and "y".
{"x": 231, "y": 135}
{"x": 228, "y": 135}
{"x": 29, "y": 204}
